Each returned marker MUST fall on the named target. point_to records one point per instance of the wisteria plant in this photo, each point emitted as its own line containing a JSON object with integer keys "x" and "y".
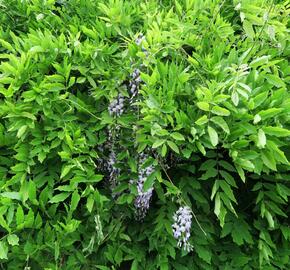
{"x": 144, "y": 134}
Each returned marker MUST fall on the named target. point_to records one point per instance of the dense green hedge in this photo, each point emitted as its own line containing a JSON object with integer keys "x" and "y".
{"x": 118, "y": 118}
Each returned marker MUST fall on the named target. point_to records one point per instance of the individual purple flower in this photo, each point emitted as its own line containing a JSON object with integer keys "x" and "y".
{"x": 142, "y": 201}
{"x": 116, "y": 107}
{"x": 181, "y": 227}
{"x": 139, "y": 41}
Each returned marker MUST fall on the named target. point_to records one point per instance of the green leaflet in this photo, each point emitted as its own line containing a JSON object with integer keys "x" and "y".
{"x": 212, "y": 135}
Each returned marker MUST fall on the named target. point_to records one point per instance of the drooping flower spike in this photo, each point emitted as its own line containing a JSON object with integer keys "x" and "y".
{"x": 142, "y": 201}
{"x": 181, "y": 227}
{"x": 116, "y": 107}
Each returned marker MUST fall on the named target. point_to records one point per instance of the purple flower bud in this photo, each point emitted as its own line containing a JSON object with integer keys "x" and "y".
{"x": 139, "y": 39}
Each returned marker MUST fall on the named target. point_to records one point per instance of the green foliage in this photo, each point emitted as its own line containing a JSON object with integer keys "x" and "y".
{"x": 213, "y": 111}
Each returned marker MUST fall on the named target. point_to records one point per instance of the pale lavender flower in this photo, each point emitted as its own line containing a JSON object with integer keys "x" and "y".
{"x": 116, "y": 107}
{"x": 135, "y": 81}
{"x": 181, "y": 227}
{"x": 142, "y": 201}
{"x": 134, "y": 84}
{"x": 113, "y": 170}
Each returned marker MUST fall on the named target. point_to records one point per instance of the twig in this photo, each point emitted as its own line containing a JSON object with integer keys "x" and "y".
{"x": 90, "y": 113}
{"x": 199, "y": 225}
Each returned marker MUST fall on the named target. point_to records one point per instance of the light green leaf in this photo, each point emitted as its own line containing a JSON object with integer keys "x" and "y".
{"x": 229, "y": 178}
{"x": 248, "y": 27}
{"x": 275, "y": 80}
{"x": 220, "y": 111}
{"x": 3, "y": 250}
{"x": 227, "y": 189}
{"x": 149, "y": 182}
{"x": 203, "y": 105}
{"x": 21, "y": 131}
{"x": 269, "y": 113}
{"x": 202, "y": 120}
{"x": 65, "y": 170}
{"x": 90, "y": 203}
{"x": 28, "y": 115}
{"x": 259, "y": 61}
{"x": 221, "y": 123}
{"x": 261, "y": 139}
{"x": 212, "y": 135}
{"x": 214, "y": 189}
{"x": 19, "y": 215}
{"x": 6, "y": 45}
{"x": 13, "y": 240}
{"x": 158, "y": 143}
{"x": 31, "y": 191}
{"x": 217, "y": 204}
{"x": 245, "y": 86}
{"x": 201, "y": 148}
{"x": 177, "y": 136}
{"x": 257, "y": 119}
{"x": 3, "y": 223}
{"x": 241, "y": 172}
{"x": 209, "y": 173}
{"x": 173, "y": 146}
{"x": 193, "y": 131}
{"x": 163, "y": 150}
{"x": 11, "y": 195}
{"x": 59, "y": 197}
{"x": 235, "y": 98}
{"x": 134, "y": 265}
{"x": 268, "y": 160}
{"x": 277, "y": 131}
{"x": 270, "y": 219}
{"x": 74, "y": 200}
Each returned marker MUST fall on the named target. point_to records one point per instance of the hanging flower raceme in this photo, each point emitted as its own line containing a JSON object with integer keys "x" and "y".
{"x": 110, "y": 163}
{"x": 113, "y": 170}
{"x": 181, "y": 227}
{"x": 116, "y": 107}
{"x": 134, "y": 83}
{"x": 142, "y": 201}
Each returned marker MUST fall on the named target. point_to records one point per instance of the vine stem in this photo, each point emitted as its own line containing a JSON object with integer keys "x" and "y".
{"x": 180, "y": 197}
{"x": 107, "y": 236}
{"x": 90, "y": 113}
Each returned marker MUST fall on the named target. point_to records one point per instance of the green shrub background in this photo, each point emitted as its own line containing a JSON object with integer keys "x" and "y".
{"x": 212, "y": 112}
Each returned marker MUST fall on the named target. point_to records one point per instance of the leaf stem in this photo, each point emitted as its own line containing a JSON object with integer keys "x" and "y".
{"x": 181, "y": 198}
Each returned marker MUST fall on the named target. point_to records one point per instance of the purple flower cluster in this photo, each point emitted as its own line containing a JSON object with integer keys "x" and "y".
{"x": 181, "y": 227}
{"x": 113, "y": 171}
{"x": 142, "y": 200}
{"x": 116, "y": 107}
{"x": 134, "y": 83}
